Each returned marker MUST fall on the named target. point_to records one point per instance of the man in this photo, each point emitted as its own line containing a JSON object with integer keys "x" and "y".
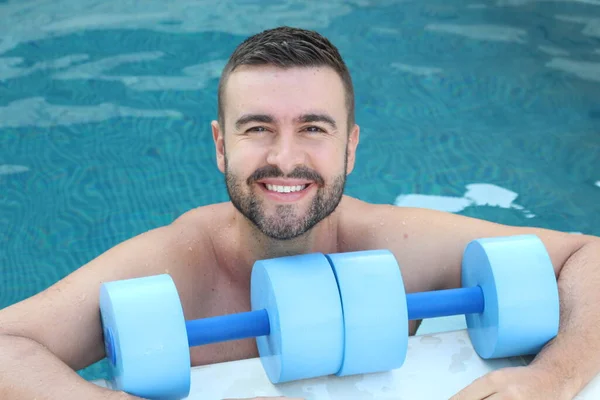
{"x": 285, "y": 140}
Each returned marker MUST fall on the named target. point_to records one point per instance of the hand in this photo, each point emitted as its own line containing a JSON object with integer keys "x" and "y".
{"x": 514, "y": 383}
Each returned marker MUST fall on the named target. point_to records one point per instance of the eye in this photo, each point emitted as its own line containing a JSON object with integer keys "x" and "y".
{"x": 257, "y": 129}
{"x": 314, "y": 129}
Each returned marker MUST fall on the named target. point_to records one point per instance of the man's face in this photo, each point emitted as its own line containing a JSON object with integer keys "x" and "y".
{"x": 286, "y": 150}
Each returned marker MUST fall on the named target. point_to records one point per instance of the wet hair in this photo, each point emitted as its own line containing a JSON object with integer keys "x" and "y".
{"x": 288, "y": 47}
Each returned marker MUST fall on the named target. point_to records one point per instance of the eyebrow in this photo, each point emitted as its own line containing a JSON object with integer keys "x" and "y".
{"x": 306, "y": 118}
{"x": 247, "y": 118}
{"x": 268, "y": 119}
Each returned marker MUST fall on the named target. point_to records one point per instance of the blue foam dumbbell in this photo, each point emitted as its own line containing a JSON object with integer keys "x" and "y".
{"x": 296, "y": 306}
{"x": 345, "y": 313}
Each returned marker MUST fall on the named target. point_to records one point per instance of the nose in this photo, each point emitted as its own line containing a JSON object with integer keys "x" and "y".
{"x": 286, "y": 153}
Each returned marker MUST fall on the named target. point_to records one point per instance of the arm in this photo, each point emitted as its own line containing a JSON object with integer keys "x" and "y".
{"x": 46, "y": 338}
{"x": 29, "y": 370}
{"x": 429, "y": 244}
{"x": 574, "y": 355}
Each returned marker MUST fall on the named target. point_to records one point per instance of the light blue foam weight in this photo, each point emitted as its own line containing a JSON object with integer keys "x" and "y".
{"x": 145, "y": 337}
{"x": 343, "y": 313}
{"x": 375, "y": 311}
{"x": 521, "y": 305}
{"x": 302, "y": 300}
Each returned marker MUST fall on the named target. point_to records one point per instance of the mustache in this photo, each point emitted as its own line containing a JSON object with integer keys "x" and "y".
{"x": 271, "y": 171}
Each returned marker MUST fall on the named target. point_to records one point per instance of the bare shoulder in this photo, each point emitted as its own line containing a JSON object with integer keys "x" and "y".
{"x": 205, "y": 220}
{"x": 429, "y": 244}
{"x": 67, "y": 312}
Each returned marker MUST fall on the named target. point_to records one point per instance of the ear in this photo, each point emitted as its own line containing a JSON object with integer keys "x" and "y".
{"x": 219, "y": 145}
{"x": 353, "y": 139}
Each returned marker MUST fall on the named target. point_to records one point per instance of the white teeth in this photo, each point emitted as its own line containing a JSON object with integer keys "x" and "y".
{"x": 285, "y": 189}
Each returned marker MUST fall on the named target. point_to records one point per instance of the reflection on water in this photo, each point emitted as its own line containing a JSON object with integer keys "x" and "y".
{"x": 477, "y": 194}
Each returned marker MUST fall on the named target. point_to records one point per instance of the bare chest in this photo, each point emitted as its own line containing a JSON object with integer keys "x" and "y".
{"x": 224, "y": 299}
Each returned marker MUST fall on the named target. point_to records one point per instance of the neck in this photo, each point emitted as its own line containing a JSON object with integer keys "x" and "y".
{"x": 253, "y": 245}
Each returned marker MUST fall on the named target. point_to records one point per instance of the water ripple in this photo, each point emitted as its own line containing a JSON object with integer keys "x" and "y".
{"x": 36, "y": 111}
{"x": 7, "y": 169}
{"x": 592, "y": 25}
{"x": 29, "y": 21}
{"x": 10, "y": 66}
{"x": 194, "y": 77}
{"x": 583, "y": 69}
{"x": 499, "y": 33}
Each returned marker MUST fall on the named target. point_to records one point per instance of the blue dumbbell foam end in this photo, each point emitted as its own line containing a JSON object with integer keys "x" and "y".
{"x": 302, "y": 300}
{"x": 145, "y": 337}
{"x": 375, "y": 311}
{"x": 521, "y": 305}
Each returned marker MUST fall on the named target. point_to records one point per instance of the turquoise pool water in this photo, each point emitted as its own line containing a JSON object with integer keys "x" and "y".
{"x": 484, "y": 108}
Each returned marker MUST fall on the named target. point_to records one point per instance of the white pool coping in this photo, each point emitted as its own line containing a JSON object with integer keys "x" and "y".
{"x": 437, "y": 366}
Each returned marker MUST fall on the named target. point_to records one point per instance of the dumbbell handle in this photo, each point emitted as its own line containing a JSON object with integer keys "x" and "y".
{"x": 442, "y": 303}
{"x": 439, "y": 303}
{"x": 228, "y": 327}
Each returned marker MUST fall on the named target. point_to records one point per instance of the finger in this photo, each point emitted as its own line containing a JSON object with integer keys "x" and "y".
{"x": 478, "y": 390}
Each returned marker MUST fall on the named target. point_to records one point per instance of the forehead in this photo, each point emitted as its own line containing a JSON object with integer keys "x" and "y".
{"x": 285, "y": 93}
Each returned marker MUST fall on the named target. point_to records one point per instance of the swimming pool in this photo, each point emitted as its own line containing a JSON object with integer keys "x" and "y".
{"x": 485, "y": 108}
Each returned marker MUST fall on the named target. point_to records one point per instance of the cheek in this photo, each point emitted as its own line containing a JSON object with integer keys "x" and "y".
{"x": 244, "y": 159}
{"x": 329, "y": 157}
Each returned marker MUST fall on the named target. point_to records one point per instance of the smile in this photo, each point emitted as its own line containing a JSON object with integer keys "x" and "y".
{"x": 279, "y": 193}
{"x": 285, "y": 189}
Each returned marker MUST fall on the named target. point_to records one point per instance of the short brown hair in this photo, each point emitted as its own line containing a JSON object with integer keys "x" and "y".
{"x": 288, "y": 47}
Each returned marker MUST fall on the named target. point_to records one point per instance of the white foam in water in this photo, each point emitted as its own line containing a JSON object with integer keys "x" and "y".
{"x": 194, "y": 77}
{"x": 483, "y": 194}
{"x": 583, "y": 69}
{"x": 417, "y": 69}
{"x": 36, "y": 111}
{"x": 499, "y": 33}
{"x": 477, "y": 194}
{"x": 7, "y": 169}
{"x": 597, "y": 183}
{"x": 22, "y": 22}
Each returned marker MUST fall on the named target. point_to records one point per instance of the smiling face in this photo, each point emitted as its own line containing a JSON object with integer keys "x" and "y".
{"x": 286, "y": 148}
